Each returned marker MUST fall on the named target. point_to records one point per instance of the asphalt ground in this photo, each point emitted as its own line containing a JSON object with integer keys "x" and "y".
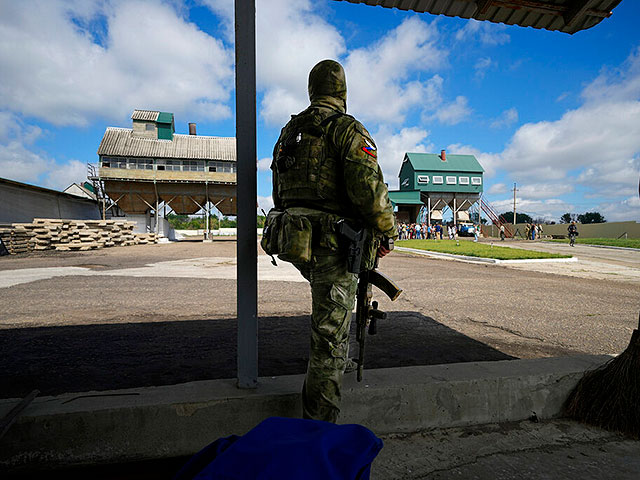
{"x": 165, "y": 314}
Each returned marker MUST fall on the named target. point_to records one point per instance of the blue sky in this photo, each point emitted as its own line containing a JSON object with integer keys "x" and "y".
{"x": 557, "y": 114}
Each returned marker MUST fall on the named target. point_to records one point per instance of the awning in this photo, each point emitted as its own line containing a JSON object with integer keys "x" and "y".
{"x": 569, "y": 16}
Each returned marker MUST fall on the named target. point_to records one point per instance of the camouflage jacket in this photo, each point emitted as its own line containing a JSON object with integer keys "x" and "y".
{"x": 359, "y": 188}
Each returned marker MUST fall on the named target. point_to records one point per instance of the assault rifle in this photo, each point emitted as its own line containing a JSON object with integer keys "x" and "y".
{"x": 367, "y": 313}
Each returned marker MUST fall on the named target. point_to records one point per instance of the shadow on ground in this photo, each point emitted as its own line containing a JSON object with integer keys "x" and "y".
{"x": 104, "y": 357}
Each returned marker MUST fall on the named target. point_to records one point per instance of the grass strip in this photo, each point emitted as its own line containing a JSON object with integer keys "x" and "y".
{"x": 609, "y": 242}
{"x": 473, "y": 249}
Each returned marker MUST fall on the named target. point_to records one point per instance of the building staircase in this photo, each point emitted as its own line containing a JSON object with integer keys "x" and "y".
{"x": 495, "y": 217}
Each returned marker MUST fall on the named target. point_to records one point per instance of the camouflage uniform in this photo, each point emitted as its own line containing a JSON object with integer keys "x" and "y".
{"x": 325, "y": 168}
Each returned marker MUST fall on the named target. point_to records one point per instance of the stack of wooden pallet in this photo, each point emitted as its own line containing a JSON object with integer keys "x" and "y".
{"x": 16, "y": 238}
{"x": 144, "y": 238}
{"x": 65, "y": 235}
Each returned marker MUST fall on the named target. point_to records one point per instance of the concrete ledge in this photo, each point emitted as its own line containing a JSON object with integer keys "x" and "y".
{"x": 156, "y": 422}
{"x": 470, "y": 259}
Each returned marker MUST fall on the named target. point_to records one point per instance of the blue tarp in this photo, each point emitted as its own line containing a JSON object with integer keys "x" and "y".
{"x": 288, "y": 448}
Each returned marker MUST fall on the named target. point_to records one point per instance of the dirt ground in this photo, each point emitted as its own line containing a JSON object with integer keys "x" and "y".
{"x": 117, "y": 329}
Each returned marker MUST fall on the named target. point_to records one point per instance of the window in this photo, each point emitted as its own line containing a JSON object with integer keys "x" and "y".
{"x": 149, "y": 127}
{"x": 451, "y": 180}
{"x": 476, "y": 180}
{"x": 222, "y": 167}
{"x": 423, "y": 178}
{"x": 118, "y": 162}
{"x": 437, "y": 179}
{"x": 463, "y": 180}
{"x": 174, "y": 165}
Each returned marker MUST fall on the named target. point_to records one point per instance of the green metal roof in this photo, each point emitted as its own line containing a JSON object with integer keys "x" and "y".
{"x": 165, "y": 117}
{"x": 405, "y": 197}
{"x": 453, "y": 163}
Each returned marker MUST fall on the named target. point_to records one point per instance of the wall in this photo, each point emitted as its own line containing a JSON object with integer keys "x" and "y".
{"x": 21, "y": 203}
{"x": 594, "y": 230}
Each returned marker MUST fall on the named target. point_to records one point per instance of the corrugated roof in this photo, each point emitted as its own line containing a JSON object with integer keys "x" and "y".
{"x": 121, "y": 142}
{"x": 453, "y": 163}
{"x": 151, "y": 115}
{"x": 569, "y": 16}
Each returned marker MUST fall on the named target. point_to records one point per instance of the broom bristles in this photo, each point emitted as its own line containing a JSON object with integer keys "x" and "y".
{"x": 609, "y": 396}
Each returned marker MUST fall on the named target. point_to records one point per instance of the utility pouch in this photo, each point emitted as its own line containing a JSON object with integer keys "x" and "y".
{"x": 270, "y": 233}
{"x": 294, "y": 238}
{"x": 328, "y": 237}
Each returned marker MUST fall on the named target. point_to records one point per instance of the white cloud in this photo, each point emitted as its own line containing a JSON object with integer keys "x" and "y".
{"x": 264, "y": 164}
{"x": 549, "y": 209}
{"x": 497, "y": 189}
{"x": 19, "y": 161}
{"x": 544, "y": 190}
{"x": 264, "y": 203}
{"x": 393, "y": 146}
{"x": 54, "y": 69}
{"x": 454, "y": 112}
{"x": 596, "y": 146}
{"x": 282, "y": 71}
{"x": 484, "y": 32}
{"x": 60, "y": 176}
{"x": 482, "y": 65}
{"x": 627, "y": 209}
{"x": 489, "y": 161}
{"x": 506, "y": 119}
{"x": 382, "y": 70}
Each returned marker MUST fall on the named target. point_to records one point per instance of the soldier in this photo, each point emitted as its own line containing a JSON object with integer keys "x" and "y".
{"x": 325, "y": 169}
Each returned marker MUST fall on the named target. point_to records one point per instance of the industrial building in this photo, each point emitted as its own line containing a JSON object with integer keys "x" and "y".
{"x": 432, "y": 183}
{"x": 145, "y": 169}
{"x": 437, "y": 182}
{"x": 22, "y": 202}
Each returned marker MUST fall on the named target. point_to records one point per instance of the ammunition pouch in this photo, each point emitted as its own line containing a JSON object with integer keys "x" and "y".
{"x": 288, "y": 236}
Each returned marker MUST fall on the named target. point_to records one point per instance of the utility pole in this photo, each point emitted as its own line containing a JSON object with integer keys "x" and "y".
{"x": 514, "y": 209}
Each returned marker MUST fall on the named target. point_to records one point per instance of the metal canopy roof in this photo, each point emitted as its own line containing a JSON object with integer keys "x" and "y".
{"x": 569, "y": 16}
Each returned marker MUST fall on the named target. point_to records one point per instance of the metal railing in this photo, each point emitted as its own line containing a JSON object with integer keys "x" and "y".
{"x": 495, "y": 217}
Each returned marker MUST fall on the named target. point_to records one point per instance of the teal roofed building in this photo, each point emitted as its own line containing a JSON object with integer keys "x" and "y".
{"x": 433, "y": 183}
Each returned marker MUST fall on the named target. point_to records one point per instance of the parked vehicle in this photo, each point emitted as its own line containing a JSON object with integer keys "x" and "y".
{"x": 466, "y": 229}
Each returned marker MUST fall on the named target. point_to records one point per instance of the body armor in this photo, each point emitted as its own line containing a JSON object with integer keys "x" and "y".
{"x": 307, "y": 171}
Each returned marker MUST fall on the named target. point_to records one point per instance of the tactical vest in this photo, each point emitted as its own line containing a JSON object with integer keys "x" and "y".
{"x": 306, "y": 172}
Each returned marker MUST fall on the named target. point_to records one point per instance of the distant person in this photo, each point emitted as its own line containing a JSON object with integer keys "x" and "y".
{"x": 573, "y": 233}
{"x": 475, "y": 232}
{"x": 502, "y": 235}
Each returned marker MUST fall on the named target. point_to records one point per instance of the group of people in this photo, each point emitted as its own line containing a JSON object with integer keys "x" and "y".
{"x": 533, "y": 231}
{"x": 419, "y": 231}
{"x": 427, "y": 231}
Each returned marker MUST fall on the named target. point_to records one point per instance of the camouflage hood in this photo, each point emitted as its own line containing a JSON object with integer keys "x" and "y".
{"x": 328, "y": 85}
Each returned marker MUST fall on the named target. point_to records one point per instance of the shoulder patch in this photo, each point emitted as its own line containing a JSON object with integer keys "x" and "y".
{"x": 369, "y": 150}
{"x": 367, "y": 144}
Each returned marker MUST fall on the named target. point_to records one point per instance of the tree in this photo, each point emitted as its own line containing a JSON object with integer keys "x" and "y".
{"x": 568, "y": 218}
{"x": 520, "y": 217}
{"x": 591, "y": 217}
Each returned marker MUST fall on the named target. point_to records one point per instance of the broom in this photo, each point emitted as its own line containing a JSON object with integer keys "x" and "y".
{"x": 609, "y": 396}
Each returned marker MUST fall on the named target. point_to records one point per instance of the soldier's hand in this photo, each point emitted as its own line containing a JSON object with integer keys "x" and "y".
{"x": 382, "y": 251}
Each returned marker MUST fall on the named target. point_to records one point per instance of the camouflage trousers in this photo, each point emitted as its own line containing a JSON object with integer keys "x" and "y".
{"x": 333, "y": 291}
